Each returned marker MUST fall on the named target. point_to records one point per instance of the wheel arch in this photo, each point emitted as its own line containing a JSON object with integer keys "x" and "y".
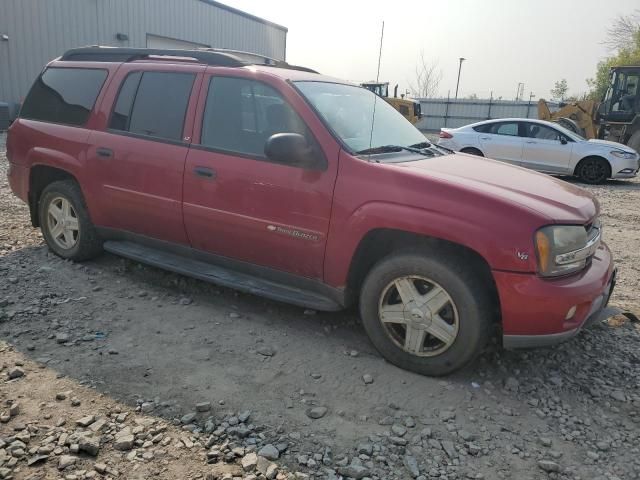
{"x": 40, "y": 176}
{"x": 381, "y": 242}
{"x": 469, "y": 148}
{"x": 588, "y": 156}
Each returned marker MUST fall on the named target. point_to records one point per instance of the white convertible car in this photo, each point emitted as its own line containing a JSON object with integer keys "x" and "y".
{"x": 543, "y": 146}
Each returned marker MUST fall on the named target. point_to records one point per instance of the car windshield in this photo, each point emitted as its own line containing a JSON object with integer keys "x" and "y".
{"x": 362, "y": 120}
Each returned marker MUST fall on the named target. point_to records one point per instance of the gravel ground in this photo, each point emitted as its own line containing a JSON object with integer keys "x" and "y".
{"x": 164, "y": 343}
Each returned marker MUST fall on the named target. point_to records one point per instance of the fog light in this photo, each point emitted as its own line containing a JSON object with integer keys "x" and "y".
{"x": 571, "y": 313}
{"x": 626, "y": 170}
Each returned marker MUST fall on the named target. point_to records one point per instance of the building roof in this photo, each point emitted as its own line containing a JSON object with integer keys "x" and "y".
{"x": 244, "y": 14}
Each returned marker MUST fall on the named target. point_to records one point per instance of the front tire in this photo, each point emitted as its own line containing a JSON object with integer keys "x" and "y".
{"x": 593, "y": 170}
{"x": 65, "y": 223}
{"x": 427, "y": 314}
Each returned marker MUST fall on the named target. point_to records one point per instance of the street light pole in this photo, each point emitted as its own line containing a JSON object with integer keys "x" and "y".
{"x": 462, "y": 59}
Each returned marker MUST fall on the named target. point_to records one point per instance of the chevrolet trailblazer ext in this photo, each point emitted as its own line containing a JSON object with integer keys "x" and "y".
{"x": 279, "y": 181}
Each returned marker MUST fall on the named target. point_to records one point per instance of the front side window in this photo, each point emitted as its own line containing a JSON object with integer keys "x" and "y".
{"x": 64, "y": 95}
{"x": 153, "y": 104}
{"x": 240, "y": 115}
{"x": 542, "y": 132}
{"x": 360, "y": 118}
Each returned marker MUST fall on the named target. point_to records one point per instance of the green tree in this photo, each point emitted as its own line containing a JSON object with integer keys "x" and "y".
{"x": 624, "y": 36}
{"x": 560, "y": 89}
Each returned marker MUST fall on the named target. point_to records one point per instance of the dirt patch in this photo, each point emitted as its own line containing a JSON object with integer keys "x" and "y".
{"x": 52, "y": 427}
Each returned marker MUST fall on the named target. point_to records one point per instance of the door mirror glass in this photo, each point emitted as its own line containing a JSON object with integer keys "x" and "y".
{"x": 290, "y": 149}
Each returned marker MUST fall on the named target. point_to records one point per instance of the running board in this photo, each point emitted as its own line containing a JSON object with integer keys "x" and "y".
{"x": 221, "y": 276}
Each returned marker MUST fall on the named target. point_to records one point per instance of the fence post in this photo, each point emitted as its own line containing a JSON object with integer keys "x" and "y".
{"x": 490, "y": 102}
{"x": 446, "y": 108}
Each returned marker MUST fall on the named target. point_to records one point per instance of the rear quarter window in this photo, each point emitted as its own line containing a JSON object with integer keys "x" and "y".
{"x": 482, "y": 128}
{"x": 64, "y": 95}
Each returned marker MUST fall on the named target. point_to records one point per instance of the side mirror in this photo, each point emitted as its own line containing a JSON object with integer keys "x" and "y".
{"x": 290, "y": 149}
{"x": 563, "y": 140}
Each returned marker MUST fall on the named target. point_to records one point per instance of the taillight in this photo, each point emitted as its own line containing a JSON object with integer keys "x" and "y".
{"x": 444, "y": 134}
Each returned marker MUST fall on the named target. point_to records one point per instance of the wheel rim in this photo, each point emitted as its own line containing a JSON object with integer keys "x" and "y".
{"x": 419, "y": 316}
{"x": 593, "y": 171}
{"x": 63, "y": 223}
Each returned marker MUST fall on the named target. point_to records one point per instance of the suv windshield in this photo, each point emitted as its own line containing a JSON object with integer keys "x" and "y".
{"x": 349, "y": 111}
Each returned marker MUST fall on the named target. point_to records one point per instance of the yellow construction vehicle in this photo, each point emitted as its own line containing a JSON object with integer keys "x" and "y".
{"x": 409, "y": 109}
{"x": 615, "y": 118}
{"x": 576, "y": 116}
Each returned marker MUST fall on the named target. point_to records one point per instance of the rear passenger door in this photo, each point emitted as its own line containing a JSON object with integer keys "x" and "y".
{"x": 502, "y": 141}
{"x": 137, "y": 161}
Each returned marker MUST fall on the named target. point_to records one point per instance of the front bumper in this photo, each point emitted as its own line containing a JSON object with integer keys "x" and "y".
{"x": 539, "y": 312}
{"x": 624, "y": 168}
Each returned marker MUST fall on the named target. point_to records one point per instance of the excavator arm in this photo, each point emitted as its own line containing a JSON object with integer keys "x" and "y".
{"x": 576, "y": 116}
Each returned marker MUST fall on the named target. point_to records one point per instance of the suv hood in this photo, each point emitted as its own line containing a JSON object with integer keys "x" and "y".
{"x": 558, "y": 201}
{"x": 608, "y": 144}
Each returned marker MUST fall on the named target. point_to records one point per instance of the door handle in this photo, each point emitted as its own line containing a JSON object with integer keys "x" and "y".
{"x": 531, "y": 141}
{"x": 205, "y": 172}
{"x": 104, "y": 152}
{"x": 485, "y": 138}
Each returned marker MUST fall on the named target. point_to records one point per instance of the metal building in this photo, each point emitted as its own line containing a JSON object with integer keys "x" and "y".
{"x": 33, "y": 32}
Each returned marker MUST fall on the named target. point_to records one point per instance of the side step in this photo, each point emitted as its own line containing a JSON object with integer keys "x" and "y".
{"x": 221, "y": 276}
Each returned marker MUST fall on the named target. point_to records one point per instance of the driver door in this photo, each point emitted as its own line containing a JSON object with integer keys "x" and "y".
{"x": 546, "y": 149}
{"x": 238, "y": 203}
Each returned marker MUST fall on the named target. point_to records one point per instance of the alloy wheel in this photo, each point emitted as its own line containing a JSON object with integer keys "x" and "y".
{"x": 593, "y": 170}
{"x": 63, "y": 223}
{"x": 419, "y": 316}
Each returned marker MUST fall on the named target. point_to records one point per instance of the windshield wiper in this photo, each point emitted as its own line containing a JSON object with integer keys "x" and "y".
{"x": 432, "y": 146}
{"x": 391, "y": 148}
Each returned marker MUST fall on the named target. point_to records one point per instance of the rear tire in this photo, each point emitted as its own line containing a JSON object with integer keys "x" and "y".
{"x": 450, "y": 300}
{"x": 472, "y": 151}
{"x": 65, "y": 222}
{"x": 593, "y": 170}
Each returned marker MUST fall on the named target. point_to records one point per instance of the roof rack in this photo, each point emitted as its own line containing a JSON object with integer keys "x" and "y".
{"x": 208, "y": 56}
{"x": 115, "y": 54}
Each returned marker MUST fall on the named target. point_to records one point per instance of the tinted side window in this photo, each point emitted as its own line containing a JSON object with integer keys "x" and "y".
{"x": 122, "y": 111}
{"x": 483, "y": 128}
{"x": 153, "y": 104}
{"x": 64, "y": 95}
{"x": 505, "y": 128}
{"x": 240, "y": 115}
{"x": 542, "y": 132}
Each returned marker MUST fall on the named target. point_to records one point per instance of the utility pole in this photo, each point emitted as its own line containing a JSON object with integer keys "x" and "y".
{"x": 519, "y": 91}
{"x": 380, "y": 53}
{"x": 461, "y": 59}
{"x": 531, "y": 95}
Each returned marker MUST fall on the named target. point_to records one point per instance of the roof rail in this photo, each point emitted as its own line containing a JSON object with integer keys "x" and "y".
{"x": 208, "y": 56}
{"x": 117, "y": 54}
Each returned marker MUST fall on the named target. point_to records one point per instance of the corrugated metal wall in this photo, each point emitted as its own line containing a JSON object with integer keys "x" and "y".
{"x": 40, "y": 30}
{"x": 442, "y": 112}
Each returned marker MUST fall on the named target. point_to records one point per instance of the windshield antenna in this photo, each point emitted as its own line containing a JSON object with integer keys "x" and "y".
{"x": 375, "y": 99}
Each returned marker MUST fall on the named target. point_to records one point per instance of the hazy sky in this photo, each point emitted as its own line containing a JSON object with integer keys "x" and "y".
{"x": 505, "y": 41}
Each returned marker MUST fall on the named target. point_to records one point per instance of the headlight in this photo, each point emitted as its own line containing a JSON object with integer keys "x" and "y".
{"x": 564, "y": 249}
{"x": 621, "y": 154}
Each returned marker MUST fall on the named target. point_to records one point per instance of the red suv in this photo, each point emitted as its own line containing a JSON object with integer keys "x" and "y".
{"x": 281, "y": 182}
